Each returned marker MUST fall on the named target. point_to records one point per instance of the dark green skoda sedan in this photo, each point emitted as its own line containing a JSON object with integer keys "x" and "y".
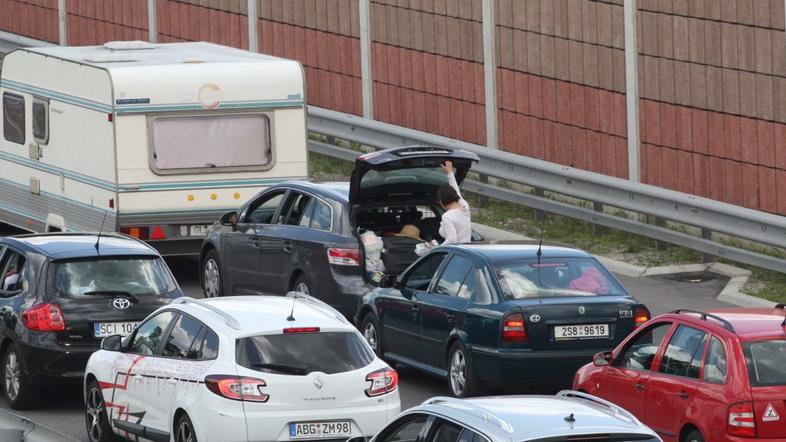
{"x": 508, "y": 315}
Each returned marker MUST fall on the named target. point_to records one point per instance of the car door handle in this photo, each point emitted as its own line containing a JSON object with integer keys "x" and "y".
{"x": 288, "y": 247}
{"x": 415, "y": 308}
{"x": 450, "y": 317}
{"x": 683, "y": 395}
{"x": 640, "y": 386}
{"x": 137, "y": 377}
{"x": 171, "y": 381}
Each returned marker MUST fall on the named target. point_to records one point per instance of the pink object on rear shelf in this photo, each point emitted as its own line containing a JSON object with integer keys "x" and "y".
{"x": 591, "y": 281}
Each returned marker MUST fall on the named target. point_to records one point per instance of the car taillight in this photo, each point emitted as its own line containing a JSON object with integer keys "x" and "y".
{"x": 237, "y": 388}
{"x": 292, "y": 330}
{"x": 514, "y": 329}
{"x": 158, "y": 233}
{"x": 142, "y": 233}
{"x": 382, "y": 381}
{"x": 344, "y": 257}
{"x": 641, "y": 316}
{"x": 741, "y": 420}
{"x": 44, "y": 317}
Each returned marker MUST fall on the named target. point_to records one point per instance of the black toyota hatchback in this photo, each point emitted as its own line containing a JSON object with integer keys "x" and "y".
{"x": 60, "y": 294}
{"x": 305, "y": 236}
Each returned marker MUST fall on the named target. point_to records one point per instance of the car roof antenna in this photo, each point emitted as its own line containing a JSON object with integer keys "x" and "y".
{"x": 291, "y": 316}
{"x": 540, "y": 248}
{"x": 98, "y": 240}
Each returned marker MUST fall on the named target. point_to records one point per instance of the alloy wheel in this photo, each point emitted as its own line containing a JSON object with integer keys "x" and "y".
{"x": 94, "y": 408}
{"x": 12, "y": 375}
{"x": 458, "y": 372}
{"x": 184, "y": 432}
{"x": 212, "y": 278}
{"x": 302, "y": 287}
{"x": 370, "y": 333}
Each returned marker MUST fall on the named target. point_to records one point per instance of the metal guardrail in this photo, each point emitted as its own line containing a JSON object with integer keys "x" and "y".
{"x": 667, "y": 205}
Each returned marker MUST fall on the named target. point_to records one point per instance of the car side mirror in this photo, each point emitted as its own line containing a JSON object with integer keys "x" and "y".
{"x": 602, "y": 358}
{"x": 111, "y": 343}
{"x": 228, "y": 219}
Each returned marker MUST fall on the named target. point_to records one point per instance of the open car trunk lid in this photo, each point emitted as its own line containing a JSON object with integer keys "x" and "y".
{"x": 404, "y": 172}
{"x": 765, "y": 359}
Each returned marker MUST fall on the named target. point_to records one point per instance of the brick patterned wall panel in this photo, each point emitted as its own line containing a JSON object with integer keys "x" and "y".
{"x": 32, "y": 18}
{"x": 216, "y": 22}
{"x": 93, "y": 22}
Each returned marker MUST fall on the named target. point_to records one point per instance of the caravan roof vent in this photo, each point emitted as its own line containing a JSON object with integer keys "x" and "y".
{"x": 193, "y": 60}
{"x": 128, "y": 45}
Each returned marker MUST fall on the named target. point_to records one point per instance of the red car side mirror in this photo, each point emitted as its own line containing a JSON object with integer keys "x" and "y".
{"x": 602, "y": 358}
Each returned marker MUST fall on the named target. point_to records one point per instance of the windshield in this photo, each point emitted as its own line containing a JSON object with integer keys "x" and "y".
{"x": 302, "y": 353}
{"x": 135, "y": 276}
{"x": 553, "y": 277}
{"x": 766, "y": 360}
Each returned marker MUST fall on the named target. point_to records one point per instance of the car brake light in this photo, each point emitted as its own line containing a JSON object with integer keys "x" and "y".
{"x": 382, "y": 381}
{"x": 44, "y": 317}
{"x": 142, "y": 233}
{"x": 344, "y": 257}
{"x": 641, "y": 316}
{"x": 158, "y": 233}
{"x": 741, "y": 420}
{"x": 291, "y": 330}
{"x": 237, "y": 388}
{"x": 514, "y": 329}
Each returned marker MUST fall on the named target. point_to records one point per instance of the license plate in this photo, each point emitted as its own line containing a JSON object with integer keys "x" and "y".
{"x": 320, "y": 430}
{"x": 196, "y": 229}
{"x": 582, "y": 331}
{"x": 104, "y": 329}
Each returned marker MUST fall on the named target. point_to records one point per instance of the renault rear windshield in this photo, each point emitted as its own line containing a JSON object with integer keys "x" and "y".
{"x": 301, "y": 353}
{"x": 111, "y": 276}
{"x": 766, "y": 361}
{"x": 554, "y": 277}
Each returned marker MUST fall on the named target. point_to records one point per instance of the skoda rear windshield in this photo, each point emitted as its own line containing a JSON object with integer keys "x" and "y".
{"x": 555, "y": 277}
{"x": 111, "y": 276}
{"x": 299, "y": 354}
{"x": 766, "y": 361}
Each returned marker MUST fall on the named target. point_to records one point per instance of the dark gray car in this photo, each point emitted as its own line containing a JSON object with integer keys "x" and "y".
{"x": 305, "y": 236}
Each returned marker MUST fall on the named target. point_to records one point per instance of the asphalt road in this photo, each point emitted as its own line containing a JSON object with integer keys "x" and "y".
{"x": 62, "y": 409}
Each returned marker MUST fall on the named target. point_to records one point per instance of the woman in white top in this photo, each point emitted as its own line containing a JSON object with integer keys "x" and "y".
{"x": 456, "y": 226}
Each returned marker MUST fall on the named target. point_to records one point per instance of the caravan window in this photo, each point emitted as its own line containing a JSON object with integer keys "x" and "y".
{"x": 14, "y": 118}
{"x": 210, "y": 142}
{"x": 41, "y": 120}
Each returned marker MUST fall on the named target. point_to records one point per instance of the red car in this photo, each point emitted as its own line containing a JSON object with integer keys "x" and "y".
{"x": 693, "y": 376}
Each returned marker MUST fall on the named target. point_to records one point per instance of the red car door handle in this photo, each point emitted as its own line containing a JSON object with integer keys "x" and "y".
{"x": 683, "y": 395}
{"x": 640, "y": 386}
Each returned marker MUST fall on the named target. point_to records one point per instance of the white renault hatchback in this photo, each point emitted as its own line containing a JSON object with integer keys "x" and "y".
{"x": 256, "y": 368}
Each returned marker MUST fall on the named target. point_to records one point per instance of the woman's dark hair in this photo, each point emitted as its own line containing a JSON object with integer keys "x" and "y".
{"x": 447, "y": 195}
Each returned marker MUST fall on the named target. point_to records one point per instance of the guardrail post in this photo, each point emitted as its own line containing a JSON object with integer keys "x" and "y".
{"x": 253, "y": 21}
{"x": 152, "y": 23}
{"x": 705, "y": 257}
{"x": 660, "y": 245}
{"x": 62, "y": 23}
{"x": 540, "y": 215}
{"x": 597, "y": 228}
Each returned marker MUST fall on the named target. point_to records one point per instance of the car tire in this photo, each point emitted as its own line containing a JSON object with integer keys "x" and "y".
{"x": 694, "y": 436}
{"x": 369, "y": 328}
{"x": 461, "y": 381}
{"x": 96, "y": 418}
{"x": 17, "y": 390}
{"x": 212, "y": 279}
{"x": 184, "y": 430}
{"x": 302, "y": 285}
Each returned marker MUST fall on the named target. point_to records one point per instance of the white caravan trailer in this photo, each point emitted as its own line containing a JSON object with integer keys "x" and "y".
{"x": 158, "y": 138}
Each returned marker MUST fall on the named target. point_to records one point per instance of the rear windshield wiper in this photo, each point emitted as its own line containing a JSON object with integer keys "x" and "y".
{"x": 110, "y": 293}
{"x": 284, "y": 368}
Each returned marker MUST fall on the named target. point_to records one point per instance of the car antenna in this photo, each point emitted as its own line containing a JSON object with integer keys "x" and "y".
{"x": 291, "y": 316}
{"x": 98, "y": 240}
{"x": 540, "y": 249}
